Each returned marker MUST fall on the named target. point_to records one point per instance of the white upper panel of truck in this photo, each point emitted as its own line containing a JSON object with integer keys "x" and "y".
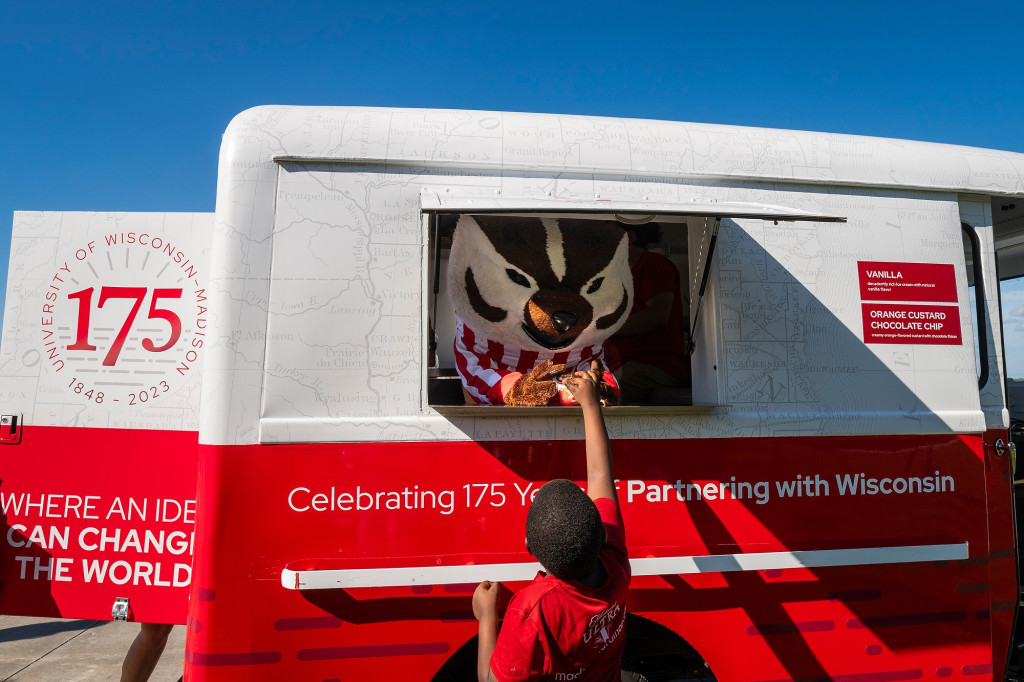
{"x": 324, "y": 268}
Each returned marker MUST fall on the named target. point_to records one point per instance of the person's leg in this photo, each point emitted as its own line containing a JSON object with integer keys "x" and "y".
{"x": 144, "y": 653}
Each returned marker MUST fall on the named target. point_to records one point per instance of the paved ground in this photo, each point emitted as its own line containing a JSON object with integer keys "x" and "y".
{"x": 45, "y": 650}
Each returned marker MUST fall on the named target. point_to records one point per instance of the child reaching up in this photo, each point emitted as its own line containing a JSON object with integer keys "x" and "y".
{"x": 570, "y": 621}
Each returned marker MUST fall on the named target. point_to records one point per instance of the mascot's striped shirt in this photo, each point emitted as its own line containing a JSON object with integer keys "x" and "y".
{"x": 489, "y": 369}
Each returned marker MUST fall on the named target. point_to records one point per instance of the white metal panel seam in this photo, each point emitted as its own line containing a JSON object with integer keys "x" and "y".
{"x": 678, "y": 565}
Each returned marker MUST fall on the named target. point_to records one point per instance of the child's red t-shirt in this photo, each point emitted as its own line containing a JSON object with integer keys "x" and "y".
{"x": 557, "y": 627}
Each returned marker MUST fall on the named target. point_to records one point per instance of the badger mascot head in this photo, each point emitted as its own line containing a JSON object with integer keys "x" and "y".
{"x": 534, "y": 297}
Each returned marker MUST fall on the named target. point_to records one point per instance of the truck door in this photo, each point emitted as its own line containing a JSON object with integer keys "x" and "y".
{"x": 99, "y": 395}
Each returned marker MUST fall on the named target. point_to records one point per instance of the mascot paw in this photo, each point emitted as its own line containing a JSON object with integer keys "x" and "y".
{"x": 535, "y": 388}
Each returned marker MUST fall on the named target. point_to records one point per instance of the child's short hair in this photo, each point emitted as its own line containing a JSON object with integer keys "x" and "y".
{"x": 564, "y": 530}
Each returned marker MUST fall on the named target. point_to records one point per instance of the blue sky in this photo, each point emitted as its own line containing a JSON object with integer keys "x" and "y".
{"x": 120, "y": 105}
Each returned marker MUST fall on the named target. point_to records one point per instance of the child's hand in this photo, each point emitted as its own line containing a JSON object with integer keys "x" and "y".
{"x": 485, "y": 600}
{"x": 585, "y": 386}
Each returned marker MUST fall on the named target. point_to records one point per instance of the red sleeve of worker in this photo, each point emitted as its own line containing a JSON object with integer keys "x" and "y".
{"x": 653, "y": 274}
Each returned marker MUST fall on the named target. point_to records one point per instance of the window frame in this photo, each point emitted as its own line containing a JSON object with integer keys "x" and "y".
{"x": 435, "y": 203}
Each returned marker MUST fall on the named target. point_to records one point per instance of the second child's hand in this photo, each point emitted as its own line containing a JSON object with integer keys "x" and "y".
{"x": 485, "y": 608}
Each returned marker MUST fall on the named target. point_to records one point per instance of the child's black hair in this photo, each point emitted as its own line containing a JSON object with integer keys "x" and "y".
{"x": 563, "y": 530}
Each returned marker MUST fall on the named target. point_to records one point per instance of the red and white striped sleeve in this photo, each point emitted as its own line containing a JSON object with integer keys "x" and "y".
{"x": 489, "y": 369}
{"x": 485, "y": 379}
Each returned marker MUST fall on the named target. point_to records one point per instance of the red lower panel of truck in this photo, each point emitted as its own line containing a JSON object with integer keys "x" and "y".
{"x": 92, "y": 515}
{"x": 369, "y": 508}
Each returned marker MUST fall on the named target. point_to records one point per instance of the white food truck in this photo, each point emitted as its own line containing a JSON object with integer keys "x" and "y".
{"x": 251, "y": 422}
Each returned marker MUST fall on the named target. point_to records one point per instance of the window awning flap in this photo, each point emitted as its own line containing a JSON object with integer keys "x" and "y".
{"x": 437, "y": 202}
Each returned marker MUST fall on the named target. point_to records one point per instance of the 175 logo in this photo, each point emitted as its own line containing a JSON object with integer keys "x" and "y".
{"x": 124, "y": 320}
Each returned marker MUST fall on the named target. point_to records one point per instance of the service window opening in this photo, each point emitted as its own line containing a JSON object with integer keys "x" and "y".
{"x": 551, "y": 281}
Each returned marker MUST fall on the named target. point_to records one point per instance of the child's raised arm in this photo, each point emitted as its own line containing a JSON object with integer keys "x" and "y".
{"x": 584, "y": 387}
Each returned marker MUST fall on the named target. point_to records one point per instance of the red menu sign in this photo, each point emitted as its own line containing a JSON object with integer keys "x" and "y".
{"x": 882, "y": 283}
{"x": 887, "y": 281}
{"x": 934, "y": 324}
